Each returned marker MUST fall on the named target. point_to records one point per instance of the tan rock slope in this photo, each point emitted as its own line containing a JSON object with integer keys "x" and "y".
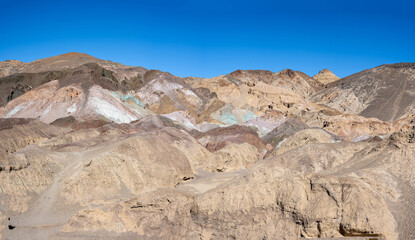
{"x": 92, "y": 149}
{"x": 325, "y": 77}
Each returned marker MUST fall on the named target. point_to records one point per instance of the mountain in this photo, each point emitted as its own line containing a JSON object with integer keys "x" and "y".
{"x": 325, "y": 77}
{"x": 158, "y": 91}
{"x": 93, "y": 149}
{"x": 60, "y": 62}
{"x": 385, "y": 92}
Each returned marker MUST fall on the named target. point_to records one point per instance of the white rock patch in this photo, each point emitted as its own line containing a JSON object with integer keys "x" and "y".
{"x": 47, "y": 110}
{"x": 71, "y": 109}
{"x": 14, "y": 111}
{"x": 188, "y": 92}
{"x": 110, "y": 111}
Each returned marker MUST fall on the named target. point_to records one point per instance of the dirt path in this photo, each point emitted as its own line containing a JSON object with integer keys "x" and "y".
{"x": 205, "y": 181}
{"x": 48, "y": 213}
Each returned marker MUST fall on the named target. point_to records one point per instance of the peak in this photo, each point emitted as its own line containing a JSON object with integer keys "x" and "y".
{"x": 326, "y": 76}
{"x": 71, "y": 56}
{"x": 16, "y": 62}
{"x": 75, "y": 54}
{"x": 67, "y": 56}
{"x": 287, "y": 72}
{"x": 325, "y": 71}
{"x": 239, "y": 71}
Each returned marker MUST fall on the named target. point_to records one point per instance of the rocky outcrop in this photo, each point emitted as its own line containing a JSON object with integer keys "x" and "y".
{"x": 9, "y": 67}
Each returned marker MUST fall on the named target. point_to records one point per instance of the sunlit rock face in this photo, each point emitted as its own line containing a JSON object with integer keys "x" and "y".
{"x": 325, "y": 77}
{"x": 92, "y": 149}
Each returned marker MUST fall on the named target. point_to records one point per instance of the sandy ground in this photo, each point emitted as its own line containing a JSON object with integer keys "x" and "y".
{"x": 205, "y": 181}
{"x": 48, "y": 213}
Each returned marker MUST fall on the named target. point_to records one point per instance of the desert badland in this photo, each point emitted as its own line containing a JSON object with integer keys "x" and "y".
{"x": 93, "y": 149}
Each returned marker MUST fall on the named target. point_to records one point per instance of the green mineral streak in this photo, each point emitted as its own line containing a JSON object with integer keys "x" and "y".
{"x": 249, "y": 116}
{"x": 128, "y": 97}
{"x": 228, "y": 118}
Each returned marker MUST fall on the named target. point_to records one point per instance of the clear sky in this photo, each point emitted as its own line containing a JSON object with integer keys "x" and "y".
{"x": 210, "y": 38}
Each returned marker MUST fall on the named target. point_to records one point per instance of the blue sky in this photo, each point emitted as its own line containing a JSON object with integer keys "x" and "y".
{"x": 209, "y": 38}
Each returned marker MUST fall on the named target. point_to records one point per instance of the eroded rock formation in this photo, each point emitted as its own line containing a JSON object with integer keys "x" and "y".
{"x": 92, "y": 149}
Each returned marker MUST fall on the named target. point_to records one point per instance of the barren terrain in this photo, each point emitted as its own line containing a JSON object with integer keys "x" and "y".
{"x": 92, "y": 149}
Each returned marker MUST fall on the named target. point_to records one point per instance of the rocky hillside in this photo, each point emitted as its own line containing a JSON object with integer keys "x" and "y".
{"x": 385, "y": 92}
{"x": 92, "y": 149}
